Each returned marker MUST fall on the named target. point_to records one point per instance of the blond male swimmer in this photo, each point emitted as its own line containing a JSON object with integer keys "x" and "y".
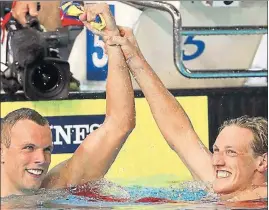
{"x": 238, "y": 166}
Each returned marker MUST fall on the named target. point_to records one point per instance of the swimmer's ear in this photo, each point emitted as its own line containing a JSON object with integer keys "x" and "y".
{"x": 262, "y": 163}
{"x": 2, "y": 154}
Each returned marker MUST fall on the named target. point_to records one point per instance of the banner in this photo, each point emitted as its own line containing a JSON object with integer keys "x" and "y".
{"x": 145, "y": 159}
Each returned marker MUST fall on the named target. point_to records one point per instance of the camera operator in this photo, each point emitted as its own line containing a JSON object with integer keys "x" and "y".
{"x": 48, "y": 15}
{"x": 36, "y": 66}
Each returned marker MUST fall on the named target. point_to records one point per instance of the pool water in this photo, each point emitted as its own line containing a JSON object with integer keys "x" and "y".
{"x": 191, "y": 196}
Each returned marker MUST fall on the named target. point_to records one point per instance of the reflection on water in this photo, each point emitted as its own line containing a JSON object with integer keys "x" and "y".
{"x": 187, "y": 195}
{"x": 35, "y": 199}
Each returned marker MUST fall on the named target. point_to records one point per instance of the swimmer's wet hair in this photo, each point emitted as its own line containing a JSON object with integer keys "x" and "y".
{"x": 13, "y": 117}
{"x": 259, "y": 128}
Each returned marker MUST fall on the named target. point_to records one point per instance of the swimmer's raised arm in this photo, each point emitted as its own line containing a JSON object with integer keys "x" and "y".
{"x": 171, "y": 118}
{"x": 98, "y": 151}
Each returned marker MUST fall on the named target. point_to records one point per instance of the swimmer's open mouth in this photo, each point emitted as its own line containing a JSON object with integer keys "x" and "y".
{"x": 36, "y": 172}
{"x": 223, "y": 174}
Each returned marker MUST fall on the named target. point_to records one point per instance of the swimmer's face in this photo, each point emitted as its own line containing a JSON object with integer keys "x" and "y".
{"x": 27, "y": 160}
{"x": 233, "y": 160}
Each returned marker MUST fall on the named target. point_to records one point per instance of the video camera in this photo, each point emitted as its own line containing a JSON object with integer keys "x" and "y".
{"x": 33, "y": 64}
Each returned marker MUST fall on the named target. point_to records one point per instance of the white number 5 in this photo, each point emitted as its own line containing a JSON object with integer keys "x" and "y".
{"x": 99, "y": 58}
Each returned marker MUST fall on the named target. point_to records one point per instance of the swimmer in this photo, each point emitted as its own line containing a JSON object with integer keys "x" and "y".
{"x": 238, "y": 166}
{"x": 26, "y": 138}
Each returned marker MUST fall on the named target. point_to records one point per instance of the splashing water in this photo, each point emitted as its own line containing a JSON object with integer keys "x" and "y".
{"x": 104, "y": 194}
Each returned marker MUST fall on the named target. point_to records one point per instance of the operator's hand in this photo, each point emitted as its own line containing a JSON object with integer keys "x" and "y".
{"x": 22, "y": 8}
{"x": 89, "y": 15}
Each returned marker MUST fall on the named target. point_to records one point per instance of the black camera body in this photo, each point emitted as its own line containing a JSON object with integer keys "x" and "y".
{"x": 33, "y": 63}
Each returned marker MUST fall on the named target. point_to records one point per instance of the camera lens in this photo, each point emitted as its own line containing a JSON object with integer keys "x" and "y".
{"x": 46, "y": 77}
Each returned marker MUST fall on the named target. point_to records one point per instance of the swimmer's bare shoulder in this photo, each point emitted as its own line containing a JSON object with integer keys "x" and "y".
{"x": 258, "y": 193}
{"x": 261, "y": 192}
